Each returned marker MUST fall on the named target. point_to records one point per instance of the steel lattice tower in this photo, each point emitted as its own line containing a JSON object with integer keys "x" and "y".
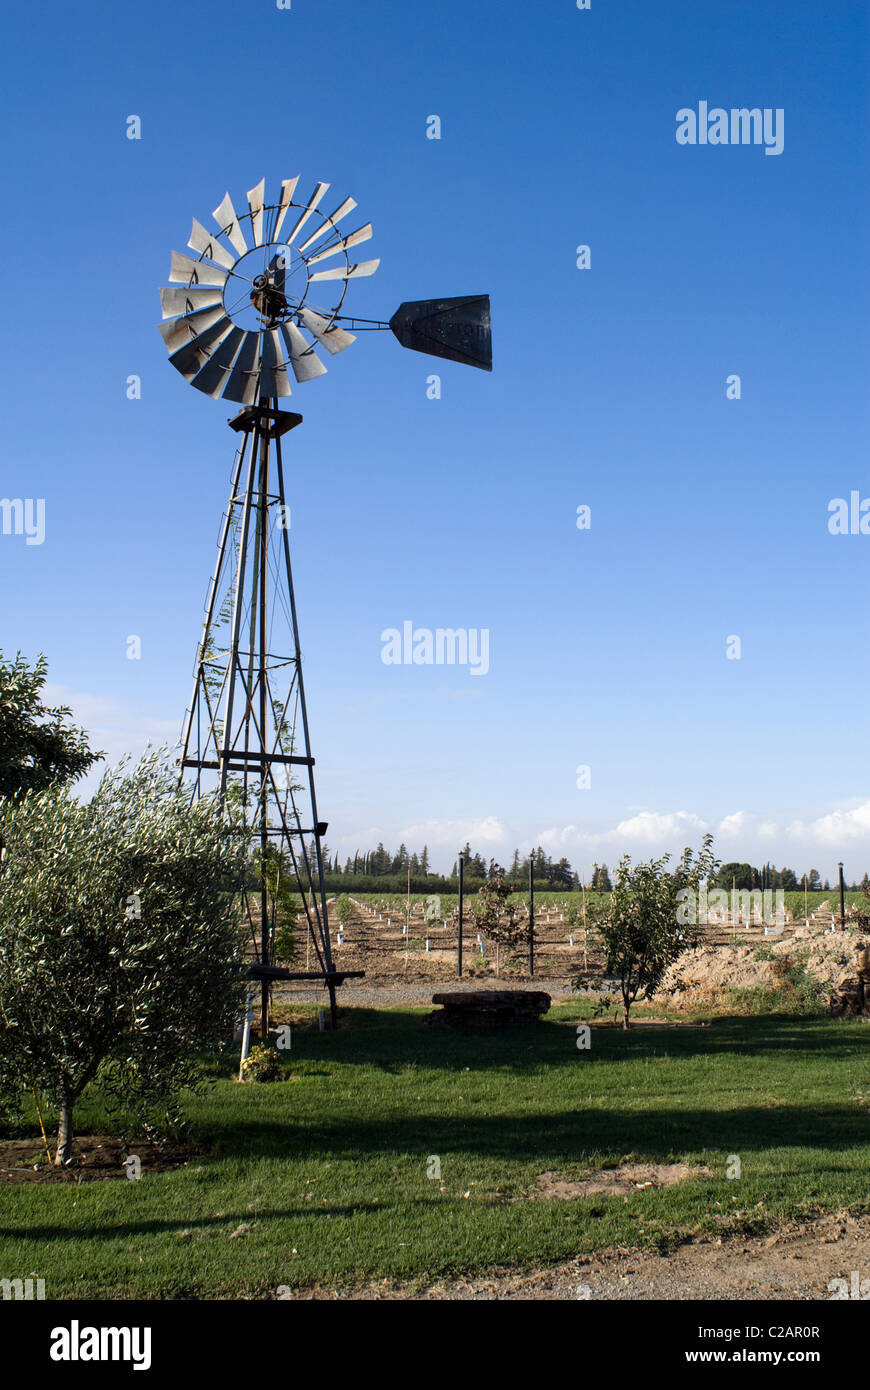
{"x": 246, "y": 731}
{"x": 238, "y": 321}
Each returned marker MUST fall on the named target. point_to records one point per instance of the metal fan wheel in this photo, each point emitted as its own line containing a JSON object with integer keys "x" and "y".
{"x": 240, "y": 320}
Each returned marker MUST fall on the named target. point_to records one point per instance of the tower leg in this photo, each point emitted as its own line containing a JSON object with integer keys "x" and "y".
{"x": 333, "y": 1011}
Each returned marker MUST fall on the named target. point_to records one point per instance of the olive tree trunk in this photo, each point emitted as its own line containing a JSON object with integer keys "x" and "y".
{"x": 626, "y": 1009}
{"x": 64, "y": 1127}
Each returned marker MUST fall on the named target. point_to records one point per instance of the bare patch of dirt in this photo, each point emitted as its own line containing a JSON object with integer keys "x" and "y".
{"x": 96, "y": 1158}
{"x": 612, "y": 1182}
{"x": 640, "y": 1024}
{"x": 797, "y": 1262}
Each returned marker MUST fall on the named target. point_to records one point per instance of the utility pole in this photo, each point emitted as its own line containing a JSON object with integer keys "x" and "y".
{"x": 459, "y": 938}
{"x": 532, "y": 914}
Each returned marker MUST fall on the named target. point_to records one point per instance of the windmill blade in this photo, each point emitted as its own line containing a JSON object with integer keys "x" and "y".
{"x": 333, "y": 339}
{"x": 207, "y": 245}
{"x": 191, "y": 358}
{"x": 225, "y": 217}
{"x": 184, "y": 270}
{"x": 188, "y": 300}
{"x": 310, "y": 206}
{"x": 245, "y": 377}
{"x": 288, "y": 188}
{"x": 183, "y": 330}
{"x": 363, "y": 234}
{"x": 256, "y": 197}
{"x": 350, "y": 272}
{"x": 213, "y": 377}
{"x": 303, "y": 359}
{"x": 347, "y": 206}
{"x": 274, "y": 380}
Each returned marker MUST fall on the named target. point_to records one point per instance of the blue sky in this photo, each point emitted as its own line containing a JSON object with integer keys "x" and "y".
{"x": 708, "y": 516}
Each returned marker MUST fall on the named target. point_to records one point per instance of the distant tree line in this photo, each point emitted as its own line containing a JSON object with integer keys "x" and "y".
{"x": 377, "y": 863}
{"x": 769, "y": 876}
{"x": 380, "y": 870}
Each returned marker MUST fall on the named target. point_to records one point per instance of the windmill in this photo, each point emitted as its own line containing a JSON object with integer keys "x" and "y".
{"x": 239, "y": 322}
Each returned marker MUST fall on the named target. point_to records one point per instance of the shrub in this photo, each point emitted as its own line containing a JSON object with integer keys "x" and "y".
{"x": 795, "y": 991}
{"x": 641, "y": 926}
{"x": 263, "y": 1064}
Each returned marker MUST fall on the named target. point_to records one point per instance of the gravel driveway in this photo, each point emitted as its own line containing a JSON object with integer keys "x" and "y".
{"x": 412, "y": 992}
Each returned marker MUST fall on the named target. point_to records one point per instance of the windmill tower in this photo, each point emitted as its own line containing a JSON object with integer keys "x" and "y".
{"x": 239, "y": 322}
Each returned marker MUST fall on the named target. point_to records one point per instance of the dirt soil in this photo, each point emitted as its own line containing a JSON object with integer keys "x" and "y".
{"x": 373, "y": 942}
{"x": 96, "y": 1158}
{"x": 797, "y": 1262}
{"x": 703, "y": 975}
{"x": 612, "y": 1182}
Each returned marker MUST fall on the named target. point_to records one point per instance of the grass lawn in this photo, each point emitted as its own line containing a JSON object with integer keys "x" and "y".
{"x": 323, "y": 1178}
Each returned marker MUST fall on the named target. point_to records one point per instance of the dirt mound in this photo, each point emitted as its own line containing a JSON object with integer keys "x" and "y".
{"x": 710, "y": 971}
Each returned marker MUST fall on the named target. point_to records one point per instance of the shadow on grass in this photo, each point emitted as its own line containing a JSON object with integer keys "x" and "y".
{"x": 399, "y": 1044}
{"x": 268, "y": 1122}
{"x": 110, "y": 1231}
{"x": 393, "y": 1040}
{"x": 655, "y": 1134}
{"x": 574, "y": 1140}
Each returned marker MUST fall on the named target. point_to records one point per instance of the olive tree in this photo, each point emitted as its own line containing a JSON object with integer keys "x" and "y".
{"x": 641, "y": 927}
{"x": 38, "y": 745}
{"x": 119, "y": 950}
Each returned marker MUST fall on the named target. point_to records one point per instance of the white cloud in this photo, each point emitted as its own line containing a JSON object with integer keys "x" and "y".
{"x": 654, "y": 828}
{"x": 558, "y": 838}
{"x": 836, "y": 827}
{"x": 800, "y": 844}
{"x": 644, "y": 829}
{"x": 733, "y": 826}
{"x": 455, "y": 833}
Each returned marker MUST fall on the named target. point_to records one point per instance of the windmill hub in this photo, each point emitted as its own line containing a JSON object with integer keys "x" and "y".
{"x": 269, "y": 301}
{"x": 274, "y": 279}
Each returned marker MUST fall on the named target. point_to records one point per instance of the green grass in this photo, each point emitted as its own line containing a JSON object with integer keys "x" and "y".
{"x": 794, "y": 901}
{"x": 328, "y": 1171}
